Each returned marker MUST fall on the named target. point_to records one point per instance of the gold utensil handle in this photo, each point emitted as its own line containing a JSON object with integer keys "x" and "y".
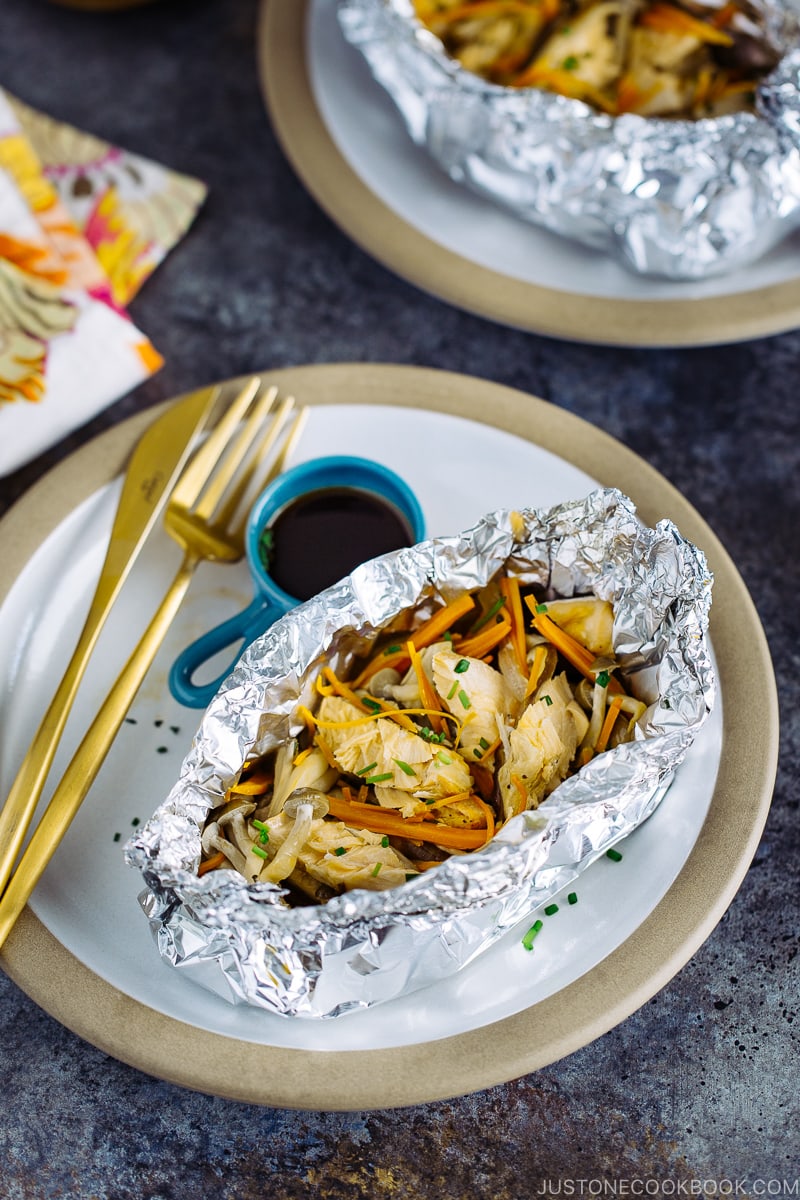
{"x": 90, "y": 755}
{"x": 156, "y": 462}
{"x": 15, "y": 816}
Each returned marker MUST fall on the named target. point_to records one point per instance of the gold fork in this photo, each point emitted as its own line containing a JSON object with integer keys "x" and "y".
{"x": 203, "y": 516}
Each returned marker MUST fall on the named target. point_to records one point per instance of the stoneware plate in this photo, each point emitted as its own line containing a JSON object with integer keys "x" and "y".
{"x": 347, "y": 143}
{"x": 83, "y": 951}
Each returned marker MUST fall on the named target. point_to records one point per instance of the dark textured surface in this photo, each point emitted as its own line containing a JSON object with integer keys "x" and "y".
{"x": 700, "y": 1084}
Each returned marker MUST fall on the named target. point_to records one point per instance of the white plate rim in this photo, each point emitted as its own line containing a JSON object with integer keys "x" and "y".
{"x": 617, "y": 986}
{"x": 415, "y": 257}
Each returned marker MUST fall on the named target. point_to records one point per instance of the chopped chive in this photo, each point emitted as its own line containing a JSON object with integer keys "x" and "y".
{"x": 384, "y": 841}
{"x": 572, "y": 898}
{"x": 412, "y": 875}
{"x": 392, "y": 649}
{"x": 371, "y": 704}
{"x": 257, "y": 850}
{"x": 340, "y": 850}
{"x": 404, "y": 767}
{"x": 614, "y": 855}
{"x": 602, "y": 679}
{"x": 530, "y": 936}
{"x": 447, "y": 636}
{"x": 135, "y": 822}
{"x": 117, "y": 836}
{"x": 570, "y": 63}
{"x": 452, "y": 691}
{"x": 484, "y": 745}
{"x": 487, "y": 616}
{"x": 461, "y": 666}
{"x": 477, "y": 752}
{"x": 547, "y": 701}
{"x": 551, "y": 910}
{"x": 465, "y": 700}
{"x": 541, "y": 608}
{"x": 260, "y": 825}
{"x": 377, "y": 869}
{"x": 443, "y": 758}
{"x": 380, "y": 778}
{"x": 366, "y": 770}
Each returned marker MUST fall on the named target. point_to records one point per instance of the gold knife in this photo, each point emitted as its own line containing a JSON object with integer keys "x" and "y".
{"x": 154, "y": 467}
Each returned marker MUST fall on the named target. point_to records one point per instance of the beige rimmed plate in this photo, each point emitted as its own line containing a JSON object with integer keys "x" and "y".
{"x": 235, "y": 1057}
{"x": 347, "y": 143}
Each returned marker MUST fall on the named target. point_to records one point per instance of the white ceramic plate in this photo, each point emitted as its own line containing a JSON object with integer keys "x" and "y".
{"x": 87, "y": 898}
{"x": 83, "y": 949}
{"x": 349, "y": 145}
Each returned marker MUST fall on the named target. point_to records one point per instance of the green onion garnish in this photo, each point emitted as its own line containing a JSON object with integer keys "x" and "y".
{"x": 377, "y": 869}
{"x": 371, "y": 704}
{"x": 461, "y": 666}
{"x": 528, "y": 940}
{"x": 384, "y": 841}
{"x": 547, "y": 701}
{"x": 443, "y": 758}
{"x": 117, "y": 836}
{"x": 487, "y": 616}
{"x": 380, "y": 778}
{"x": 602, "y": 679}
{"x": 477, "y": 752}
{"x": 412, "y": 875}
{"x": 340, "y": 850}
{"x": 572, "y": 898}
{"x": 570, "y": 63}
{"x": 404, "y": 767}
{"x": 257, "y": 850}
{"x": 366, "y": 770}
{"x": 465, "y": 700}
{"x": 452, "y": 691}
{"x": 484, "y": 745}
{"x": 551, "y": 910}
{"x": 541, "y": 608}
{"x": 392, "y": 649}
{"x": 614, "y": 855}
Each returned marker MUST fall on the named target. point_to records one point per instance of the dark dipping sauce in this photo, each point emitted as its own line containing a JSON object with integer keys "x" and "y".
{"x": 319, "y": 538}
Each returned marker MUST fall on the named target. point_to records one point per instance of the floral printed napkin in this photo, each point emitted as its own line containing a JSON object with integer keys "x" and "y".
{"x": 82, "y": 226}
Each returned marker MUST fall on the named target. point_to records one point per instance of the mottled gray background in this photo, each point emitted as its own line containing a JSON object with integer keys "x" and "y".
{"x": 699, "y": 1084}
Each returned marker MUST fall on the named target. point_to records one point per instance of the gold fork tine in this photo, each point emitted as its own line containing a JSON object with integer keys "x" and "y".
{"x": 262, "y": 451}
{"x": 200, "y": 539}
{"x": 227, "y": 467}
{"x": 205, "y": 460}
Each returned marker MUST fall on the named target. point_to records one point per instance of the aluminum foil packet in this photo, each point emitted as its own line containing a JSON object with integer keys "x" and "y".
{"x": 243, "y": 942}
{"x": 674, "y": 199}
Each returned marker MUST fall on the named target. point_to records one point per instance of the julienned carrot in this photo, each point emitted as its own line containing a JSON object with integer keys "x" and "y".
{"x": 608, "y": 724}
{"x": 379, "y": 820}
{"x": 369, "y": 705}
{"x": 581, "y": 658}
{"x": 537, "y": 666}
{"x": 488, "y": 814}
{"x": 665, "y": 18}
{"x": 321, "y": 744}
{"x": 430, "y": 631}
{"x": 486, "y": 640}
{"x": 427, "y": 692}
{"x": 509, "y": 587}
{"x": 212, "y": 863}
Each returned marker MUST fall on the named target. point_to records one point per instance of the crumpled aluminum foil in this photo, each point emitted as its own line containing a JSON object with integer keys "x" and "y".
{"x": 669, "y": 198}
{"x": 242, "y": 942}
